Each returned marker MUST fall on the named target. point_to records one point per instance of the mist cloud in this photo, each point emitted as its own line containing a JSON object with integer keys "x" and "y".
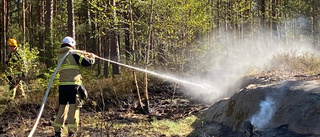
{"x": 225, "y": 62}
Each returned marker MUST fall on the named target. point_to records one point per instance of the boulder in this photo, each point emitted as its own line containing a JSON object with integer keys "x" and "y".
{"x": 285, "y": 109}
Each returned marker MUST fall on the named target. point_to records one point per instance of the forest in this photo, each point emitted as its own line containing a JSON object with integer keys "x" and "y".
{"x": 190, "y": 40}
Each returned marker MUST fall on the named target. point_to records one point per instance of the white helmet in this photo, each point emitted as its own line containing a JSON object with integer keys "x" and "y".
{"x": 70, "y": 41}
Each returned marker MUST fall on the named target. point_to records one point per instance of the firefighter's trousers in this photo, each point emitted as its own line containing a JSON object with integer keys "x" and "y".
{"x": 69, "y": 113}
{"x": 17, "y": 89}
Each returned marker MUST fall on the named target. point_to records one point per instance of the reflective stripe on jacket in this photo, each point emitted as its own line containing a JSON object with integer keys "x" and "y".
{"x": 70, "y": 67}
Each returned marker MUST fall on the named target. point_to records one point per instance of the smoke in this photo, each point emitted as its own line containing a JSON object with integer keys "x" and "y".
{"x": 262, "y": 118}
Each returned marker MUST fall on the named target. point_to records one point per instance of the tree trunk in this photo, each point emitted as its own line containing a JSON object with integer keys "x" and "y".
{"x": 115, "y": 53}
{"x": 146, "y": 94}
{"x": 127, "y": 39}
{"x": 273, "y": 23}
{"x": 106, "y": 54}
{"x": 314, "y": 24}
{"x": 41, "y": 12}
{"x": 48, "y": 33}
{"x": 218, "y": 21}
{"x": 4, "y": 27}
{"x": 71, "y": 24}
{"x": 24, "y": 21}
{"x": 29, "y": 25}
{"x": 18, "y": 8}
{"x": 99, "y": 52}
{"x": 132, "y": 28}
{"x": 262, "y": 8}
{"x": 89, "y": 25}
{"x": 115, "y": 47}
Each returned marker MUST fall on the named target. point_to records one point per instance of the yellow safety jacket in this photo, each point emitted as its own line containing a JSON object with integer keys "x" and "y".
{"x": 70, "y": 68}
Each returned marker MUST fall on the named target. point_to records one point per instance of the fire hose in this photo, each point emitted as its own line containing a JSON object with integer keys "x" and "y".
{"x": 47, "y": 92}
{"x": 104, "y": 59}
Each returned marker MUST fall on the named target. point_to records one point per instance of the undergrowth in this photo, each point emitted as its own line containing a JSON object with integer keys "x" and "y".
{"x": 155, "y": 127}
{"x": 291, "y": 62}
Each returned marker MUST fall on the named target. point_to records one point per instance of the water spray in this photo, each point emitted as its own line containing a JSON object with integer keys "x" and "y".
{"x": 147, "y": 71}
{"x": 206, "y": 87}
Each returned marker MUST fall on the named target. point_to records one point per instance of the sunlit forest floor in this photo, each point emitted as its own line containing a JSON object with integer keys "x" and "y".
{"x": 171, "y": 114}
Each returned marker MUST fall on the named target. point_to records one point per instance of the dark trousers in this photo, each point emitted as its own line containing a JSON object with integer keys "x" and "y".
{"x": 68, "y": 108}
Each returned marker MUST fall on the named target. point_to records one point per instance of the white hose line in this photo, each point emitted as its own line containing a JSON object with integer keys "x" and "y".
{"x": 46, "y": 93}
{"x": 203, "y": 86}
{"x": 79, "y": 51}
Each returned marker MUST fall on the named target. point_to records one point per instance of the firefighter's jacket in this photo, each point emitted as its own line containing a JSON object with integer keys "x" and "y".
{"x": 13, "y": 57}
{"x": 15, "y": 64}
{"x": 70, "y": 68}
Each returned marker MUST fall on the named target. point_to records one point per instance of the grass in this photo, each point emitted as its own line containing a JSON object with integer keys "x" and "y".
{"x": 169, "y": 128}
{"x": 309, "y": 63}
{"x": 164, "y": 127}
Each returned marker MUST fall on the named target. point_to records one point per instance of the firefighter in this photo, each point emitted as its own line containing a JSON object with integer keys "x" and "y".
{"x": 69, "y": 86}
{"x": 15, "y": 67}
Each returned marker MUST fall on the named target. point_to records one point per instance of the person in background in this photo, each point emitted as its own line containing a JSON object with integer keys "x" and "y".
{"x": 15, "y": 67}
{"x": 69, "y": 86}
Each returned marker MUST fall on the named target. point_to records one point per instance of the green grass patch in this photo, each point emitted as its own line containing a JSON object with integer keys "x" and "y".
{"x": 169, "y": 127}
{"x": 156, "y": 127}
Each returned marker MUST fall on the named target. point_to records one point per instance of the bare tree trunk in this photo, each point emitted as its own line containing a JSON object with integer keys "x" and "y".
{"x": 106, "y": 54}
{"x": 218, "y": 22}
{"x": 4, "y": 32}
{"x": 262, "y": 17}
{"x": 41, "y": 12}
{"x": 226, "y": 20}
{"x": 24, "y": 20}
{"x": 54, "y": 8}
{"x": 94, "y": 27}
{"x": 8, "y": 14}
{"x": 29, "y": 19}
{"x": 273, "y": 23}
{"x": 71, "y": 24}
{"x": 315, "y": 31}
{"x": 48, "y": 32}
{"x": 99, "y": 52}
{"x": 271, "y": 19}
{"x": 134, "y": 55}
{"x": 127, "y": 39}
{"x": 115, "y": 55}
{"x": 262, "y": 13}
{"x": 146, "y": 94}
{"x": 88, "y": 33}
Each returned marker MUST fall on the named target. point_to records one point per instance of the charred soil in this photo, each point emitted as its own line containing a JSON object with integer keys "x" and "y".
{"x": 167, "y": 101}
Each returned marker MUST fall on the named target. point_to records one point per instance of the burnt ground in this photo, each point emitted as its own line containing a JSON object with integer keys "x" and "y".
{"x": 167, "y": 101}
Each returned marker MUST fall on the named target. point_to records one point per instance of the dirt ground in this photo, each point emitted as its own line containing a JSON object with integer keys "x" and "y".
{"x": 166, "y": 102}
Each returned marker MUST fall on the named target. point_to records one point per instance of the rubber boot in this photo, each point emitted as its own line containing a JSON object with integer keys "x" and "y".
{"x": 57, "y": 134}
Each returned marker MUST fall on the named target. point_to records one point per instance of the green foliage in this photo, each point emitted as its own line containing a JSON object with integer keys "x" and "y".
{"x": 43, "y": 81}
{"x": 107, "y": 89}
{"x": 27, "y": 63}
{"x": 170, "y": 128}
{"x": 30, "y": 57}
